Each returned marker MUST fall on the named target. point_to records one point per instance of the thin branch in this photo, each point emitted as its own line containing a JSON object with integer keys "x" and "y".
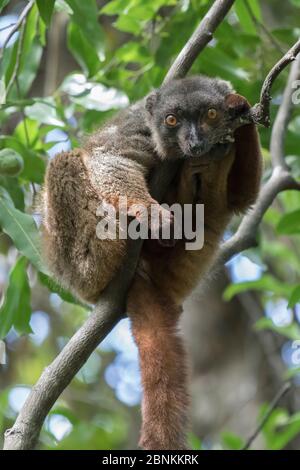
{"x": 276, "y": 400}
{"x": 281, "y": 179}
{"x": 6, "y": 27}
{"x": 245, "y": 237}
{"x": 56, "y": 377}
{"x": 18, "y": 60}
{"x": 17, "y": 25}
{"x": 261, "y": 112}
{"x": 283, "y": 118}
{"x": 199, "y": 40}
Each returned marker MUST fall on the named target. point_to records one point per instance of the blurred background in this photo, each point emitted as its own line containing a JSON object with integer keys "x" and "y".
{"x": 70, "y": 66}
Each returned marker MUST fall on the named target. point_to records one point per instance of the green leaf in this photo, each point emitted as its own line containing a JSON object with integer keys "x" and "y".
{"x": 289, "y": 223}
{"x": 82, "y": 51}
{"x": 85, "y": 15}
{"x": 3, "y": 3}
{"x": 11, "y": 162}
{"x": 44, "y": 112}
{"x": 133, "y": 52}
{"x": 280, "y": 428}
{"x": 15, "y": 190}
{"x": 16, "y": 310}
{"x": 194, "y": 442}
{"x": 295, "y": 297}
{"x": 46, "y": 9}
{"x": 22, "y": 229}
{"x": 61, "y": 5}
{"x": 244, "y": 17}
{"x": 115, "y": 7}
{"x": 54, "y": 287}
{"x": 292, "y": 331}
{"x": 129, "y": 24}
{"x": 232, "y": 441}
{"x": 265, "y": 283}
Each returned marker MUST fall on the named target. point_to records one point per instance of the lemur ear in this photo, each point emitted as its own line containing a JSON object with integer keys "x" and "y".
{"x": 151, "y": 101}
{"x": 237, "y": 104}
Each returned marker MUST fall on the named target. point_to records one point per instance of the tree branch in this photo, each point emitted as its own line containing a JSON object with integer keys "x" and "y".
{"x": 17, "y": 25}
{"x": 261, "y": 111}
{"x": 283, "y": 117}
{"x": 199, "y": 40}
{"x": 281, "y": 178}
{"x": 282, "y": 392}
{"x": 55, "y": 378}
{"x": 245, "y": 237}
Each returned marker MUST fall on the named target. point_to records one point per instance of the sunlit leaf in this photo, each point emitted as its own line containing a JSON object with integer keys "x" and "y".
{"x": 44, "y": 112}
{"x": 265, "y": 283}
{"x": 232, "y": 441}
{"x": 22, "y": 230}
{"x": 292, "y": 331}
{"x": 280, "y": 428}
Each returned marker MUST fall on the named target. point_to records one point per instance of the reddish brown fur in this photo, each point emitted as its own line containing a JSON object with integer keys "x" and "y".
{"x": 73, "y": 189}
{"x": 163, "y": 368}
{"x": 169, "y": 275}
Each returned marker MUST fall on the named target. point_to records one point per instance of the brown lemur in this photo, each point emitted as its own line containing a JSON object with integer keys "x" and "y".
{"x": 186, "y": 120}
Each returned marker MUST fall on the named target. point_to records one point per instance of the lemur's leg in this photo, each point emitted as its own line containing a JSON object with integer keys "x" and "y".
{"x": 74, "y": 252}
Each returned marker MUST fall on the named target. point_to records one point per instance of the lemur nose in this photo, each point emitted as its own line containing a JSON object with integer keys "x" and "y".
{"x": 195, "y": 146}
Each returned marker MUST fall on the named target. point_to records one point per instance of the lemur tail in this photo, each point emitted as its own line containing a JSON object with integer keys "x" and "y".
{"x": 163, "y": 368}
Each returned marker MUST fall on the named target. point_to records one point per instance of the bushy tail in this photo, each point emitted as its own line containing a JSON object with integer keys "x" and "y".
{"x": 163, "y": 368}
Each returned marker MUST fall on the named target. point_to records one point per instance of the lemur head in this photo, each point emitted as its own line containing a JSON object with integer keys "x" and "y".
{"x": 188, "y": 117}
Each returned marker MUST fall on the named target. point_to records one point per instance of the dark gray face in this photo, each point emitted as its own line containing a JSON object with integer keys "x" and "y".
{"x": 190, "y": 116}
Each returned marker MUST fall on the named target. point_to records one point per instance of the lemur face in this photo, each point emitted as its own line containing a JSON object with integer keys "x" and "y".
{"x": 190, "y": 116}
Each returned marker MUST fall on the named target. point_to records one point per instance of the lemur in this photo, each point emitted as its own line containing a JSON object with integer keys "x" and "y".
{"x": 181, "y": 121}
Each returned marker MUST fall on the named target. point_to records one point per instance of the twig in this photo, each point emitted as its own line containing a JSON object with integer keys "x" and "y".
{"x": 17, "y": 25}
{"x": 282, "y": 392}
{"x": 18, "y": 60}
{"x": 56, "y": 377}
{"x": 261, "y": 111}
{"x": 7, "y": 26}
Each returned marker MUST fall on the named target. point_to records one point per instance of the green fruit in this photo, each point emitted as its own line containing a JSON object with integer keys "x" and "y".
{"x": 11, "y": 163}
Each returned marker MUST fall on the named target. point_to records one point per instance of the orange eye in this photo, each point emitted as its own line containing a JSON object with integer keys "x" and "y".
{"x": 171, "y": 120}
{"x": 212, "y": 113}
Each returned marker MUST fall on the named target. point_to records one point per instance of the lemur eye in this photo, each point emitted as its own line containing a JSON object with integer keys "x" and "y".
{"x": 171, "y": 120}
{"x": 212, "y": 113}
